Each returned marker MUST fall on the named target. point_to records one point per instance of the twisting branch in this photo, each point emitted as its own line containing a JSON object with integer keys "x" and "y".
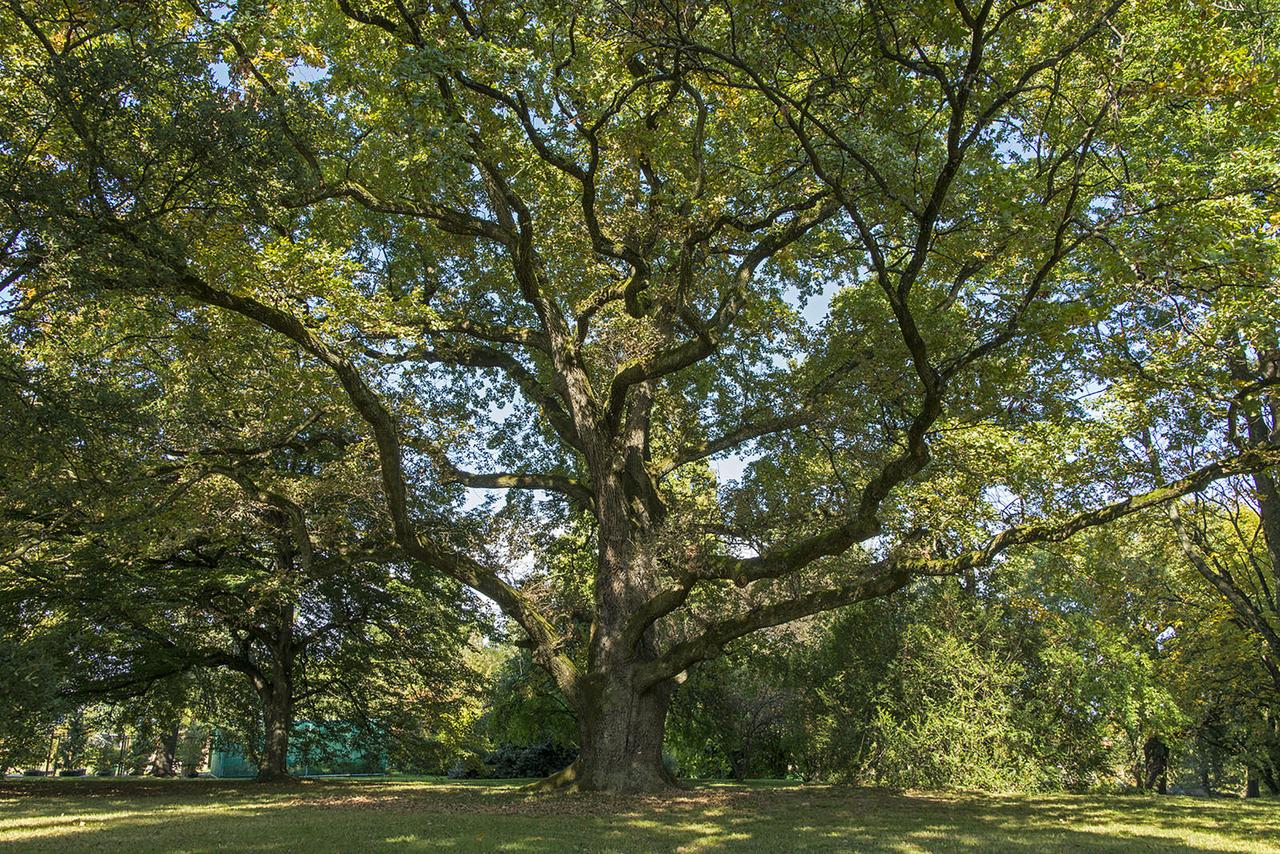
{"x": 567, "y": 486}
{"x": 894, "y": 572}
{"x": 548, "y": 401}
{"x": 369, "y": 406}
{"x": 451, "y": 220}
{"x": 740, "y": 435}
{"x": 880, "y": 579}
{"x": 692, "y": 351}
{"x": 570, "y": 487}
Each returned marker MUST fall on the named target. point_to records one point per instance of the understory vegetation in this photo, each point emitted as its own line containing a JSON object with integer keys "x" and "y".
{"x": 1033, "y": 680}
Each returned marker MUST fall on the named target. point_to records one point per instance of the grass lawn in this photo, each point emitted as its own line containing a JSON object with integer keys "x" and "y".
{"x": 359, "y": 815}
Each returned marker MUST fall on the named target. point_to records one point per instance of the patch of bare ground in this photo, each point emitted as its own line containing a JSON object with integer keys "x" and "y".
{"x": 718, "y": 800}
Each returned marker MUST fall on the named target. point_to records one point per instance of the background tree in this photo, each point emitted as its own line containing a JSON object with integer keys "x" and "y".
{"x": 1045, "y": 673}
{"x": 180, "y": 526}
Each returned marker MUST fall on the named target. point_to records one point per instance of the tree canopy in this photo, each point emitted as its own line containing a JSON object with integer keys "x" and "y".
{"x": 942, "y": 280}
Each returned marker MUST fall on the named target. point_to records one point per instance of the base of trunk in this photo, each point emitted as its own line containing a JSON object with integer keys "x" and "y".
{"x": 275, "y": 777}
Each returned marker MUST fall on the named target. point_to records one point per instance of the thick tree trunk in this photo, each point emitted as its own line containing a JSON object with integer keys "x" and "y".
{"x": 164, "y": 761}
{"x": 620, "y": 723}
{"x": 277, "y": 693}
{"x": 277, "y": 721}
{"x": 277, "y": 703}
{"x": 620, "y": 741}
{"x": 620, "y": 734}
{"x": 1156, "y": 756}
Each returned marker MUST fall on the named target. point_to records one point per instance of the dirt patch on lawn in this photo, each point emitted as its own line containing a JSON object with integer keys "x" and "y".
{"x": 460, "y": 798}
{"x": 717, "y": 800}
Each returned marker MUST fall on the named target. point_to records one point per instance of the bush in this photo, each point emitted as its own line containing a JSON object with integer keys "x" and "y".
{"x": 469, "y": 766}
{"x": 950, "y": 721}
{"x": 73, "y": 772}
{"x": 510, "y": 762}
{"x": 35, "y": 772}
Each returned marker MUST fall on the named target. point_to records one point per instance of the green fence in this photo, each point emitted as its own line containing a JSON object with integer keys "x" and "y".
{"x": 314, "y": 749}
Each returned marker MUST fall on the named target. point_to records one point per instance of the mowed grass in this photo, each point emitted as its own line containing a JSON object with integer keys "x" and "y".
{"x": 376, "y": 814}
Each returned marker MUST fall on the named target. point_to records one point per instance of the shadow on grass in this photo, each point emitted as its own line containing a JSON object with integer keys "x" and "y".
{"x": 364, "y": 815}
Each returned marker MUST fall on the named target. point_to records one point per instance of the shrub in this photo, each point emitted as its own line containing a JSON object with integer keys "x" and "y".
{"x": 535, "y": 760}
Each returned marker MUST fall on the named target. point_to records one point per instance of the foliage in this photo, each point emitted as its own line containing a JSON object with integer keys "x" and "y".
{"x": 952, "y": 721}
{"x": 535, "y": 760}
{"x": 283, "y": 282}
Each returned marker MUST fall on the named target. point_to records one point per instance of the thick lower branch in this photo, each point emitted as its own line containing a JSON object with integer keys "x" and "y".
{"x": 562, "y": 484}
{"x": 881, "y": 579}
{"x": 891, "y": 574}
{"x": 1254, "y": 459}
{"x": 738, "y": 436}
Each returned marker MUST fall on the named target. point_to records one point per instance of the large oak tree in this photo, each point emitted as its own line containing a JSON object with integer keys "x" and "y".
{"x": 562, "y": 248}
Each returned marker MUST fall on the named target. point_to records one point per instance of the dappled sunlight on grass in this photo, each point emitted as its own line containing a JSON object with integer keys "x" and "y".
{"x": 96, "y": 817}
{"x": 329, "y": 815}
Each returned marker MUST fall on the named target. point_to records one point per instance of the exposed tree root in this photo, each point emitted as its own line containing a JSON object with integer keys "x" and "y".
{"x": 563, "y": 781}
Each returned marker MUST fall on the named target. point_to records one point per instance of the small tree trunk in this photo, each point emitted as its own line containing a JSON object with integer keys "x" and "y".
{"x": 1251, "y": 787}
{"x": 164, "y": 761}
{"x": 277, "y": 704}
{"x": 277, "y": 694}
{"x": 1156, "y": 755}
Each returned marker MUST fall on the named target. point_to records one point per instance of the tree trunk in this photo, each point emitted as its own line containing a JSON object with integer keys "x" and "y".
{"x": 277, "y": 721}
{"x": 277, "y": 693}
{"x": 1251, "y": 787}
{"x": 277, "y": 703}
{"x": 1156, "y": 755}
{"x": 164, "y": 761}
{"x": 620, "y": 723}
{"x": 620, "y": 726}
{"x": 620, "y": 733}
{"x": 1269, "y": 778}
